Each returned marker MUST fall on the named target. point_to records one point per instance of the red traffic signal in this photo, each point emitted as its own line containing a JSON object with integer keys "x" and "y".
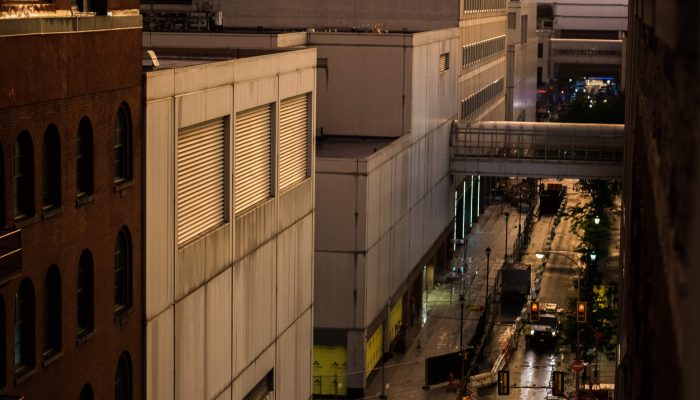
{"x": 558, "y": 383}
{"x": 535, "y": 311}
{"x": 581, "y": 312}
{"x": 503, "y": 383}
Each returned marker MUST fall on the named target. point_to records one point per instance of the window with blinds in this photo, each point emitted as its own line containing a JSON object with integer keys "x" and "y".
{"x": 294, "y": 128}
{"x": 444, "y": 61}
{"x": 200, "y": 178}
{"x": 252, "y": 175}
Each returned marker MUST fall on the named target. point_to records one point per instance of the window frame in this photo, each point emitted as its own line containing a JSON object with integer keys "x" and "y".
{"x": 53, "y": 334}
{"x": 51, "y": 169}
{"x": 123, "y": 272}
{"x": 126, "y": 377}
{"x": 23, "y": 176}
{"x": 123, "y": 149}
{"x": 84, "y": 167}
{"x": 25, "y": 335}
{"x": 85, "y": 282}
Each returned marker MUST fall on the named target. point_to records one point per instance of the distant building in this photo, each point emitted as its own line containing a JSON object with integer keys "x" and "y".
{"x": 70, "y": 267}
{"x": 658, "y": 347}
{"x": 229, "y": 224}
{"x": 579, "y": 37}
{"x": 521, "y": 80}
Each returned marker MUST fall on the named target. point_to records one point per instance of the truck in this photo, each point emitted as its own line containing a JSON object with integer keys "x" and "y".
{"x": 551, "y": 197}
{"x": 543, "y": 330}
{"x": 515, "y": 286}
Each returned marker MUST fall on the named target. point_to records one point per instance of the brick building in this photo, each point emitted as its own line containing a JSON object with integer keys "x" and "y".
{"x": 658, "y": 349}
{"x": 70, "y": 133}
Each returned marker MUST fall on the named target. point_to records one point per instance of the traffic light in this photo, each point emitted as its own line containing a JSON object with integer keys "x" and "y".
{"x": 535, "y": 311}
{"x": 558, "y": 383}
{"x": 581, "y": 307}
{"x": 503, "y": 383}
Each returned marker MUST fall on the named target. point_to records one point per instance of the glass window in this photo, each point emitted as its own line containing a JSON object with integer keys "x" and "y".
{"x": 51, "y": 169}
{"x": 86, "y": 393}
{"x": 24, "y": 176}
{"x": 85, "y": 294}
{"x": 122, "y": 382}
{"x": 52, "y": 312}
{"x": 84, "y": 160}
{"x": 122, "y": 272}
{"x": 122, "y": 144}
{"x": 24, "y": 328}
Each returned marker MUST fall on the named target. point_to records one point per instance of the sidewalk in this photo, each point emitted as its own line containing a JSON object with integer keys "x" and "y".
{"x": 439, "y": 331}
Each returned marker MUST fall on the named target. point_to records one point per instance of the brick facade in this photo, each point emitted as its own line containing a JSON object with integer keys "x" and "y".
{"x": 90, "y": 75}
{"x": 659, "y": 247}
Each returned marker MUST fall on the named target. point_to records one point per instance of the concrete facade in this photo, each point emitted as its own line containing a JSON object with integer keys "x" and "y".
{"x": 62, "y": 331}
{"x": 521, "y": 82}
{"x": 382, "y": 203}
{"x": 234, "y": 303}
{"x": 658, "y": 346}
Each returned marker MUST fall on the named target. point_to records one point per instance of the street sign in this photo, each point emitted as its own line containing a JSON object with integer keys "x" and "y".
{"x": 577, "y": 366}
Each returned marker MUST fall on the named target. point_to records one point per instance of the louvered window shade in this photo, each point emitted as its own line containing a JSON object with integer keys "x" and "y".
{"x": 294, "y": 128}
{"x": 444, "y": 62}
{"x": 252, "y": 172}
{"x": 200, "y": 179}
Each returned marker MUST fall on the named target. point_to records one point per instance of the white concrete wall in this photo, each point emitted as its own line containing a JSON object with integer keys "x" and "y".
{"x": 379, "y": 215}
{"x": 362, "y": 90}
{"x": 521, "y": 82}
{"x": 395, "y": 15}
{"x": 230, "y": 305}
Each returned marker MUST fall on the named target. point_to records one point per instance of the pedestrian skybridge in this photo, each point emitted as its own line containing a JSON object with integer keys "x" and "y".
{"x": 537, "y": 149}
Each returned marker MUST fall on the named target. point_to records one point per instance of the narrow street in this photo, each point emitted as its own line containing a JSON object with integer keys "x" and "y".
{"x": 531, "y": 368}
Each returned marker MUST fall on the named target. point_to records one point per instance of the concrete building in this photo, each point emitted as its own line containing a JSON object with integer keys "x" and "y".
{"x": 521, "y": 80}
{"x": 229, "y": 224}
{"x": 391, "y": 78}
{"x": 658, "y": 347}
{"x": 70, "y": 264}
{"x": 578, "y": 37}
{"x": 383, "y": 192}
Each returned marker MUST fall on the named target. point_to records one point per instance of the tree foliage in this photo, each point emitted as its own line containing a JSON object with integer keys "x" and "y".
{"x": 600, "y": 330}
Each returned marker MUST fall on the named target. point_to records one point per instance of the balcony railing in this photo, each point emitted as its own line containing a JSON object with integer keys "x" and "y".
{"x": 10, "y": 254}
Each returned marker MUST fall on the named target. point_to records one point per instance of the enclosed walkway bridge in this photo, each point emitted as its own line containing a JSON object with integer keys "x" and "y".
{"x": 537, "y": 149}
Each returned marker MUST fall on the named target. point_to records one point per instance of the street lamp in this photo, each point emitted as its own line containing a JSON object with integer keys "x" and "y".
{"x": 596, "y": 220}
{"x": 505, "y": 256}
{"x": 488, "y": 255}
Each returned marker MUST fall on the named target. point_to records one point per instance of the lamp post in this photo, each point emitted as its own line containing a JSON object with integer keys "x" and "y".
{"x": 579, "y": 268}
{"x": 488, "y": 255}
{"x": 505, "y": 256}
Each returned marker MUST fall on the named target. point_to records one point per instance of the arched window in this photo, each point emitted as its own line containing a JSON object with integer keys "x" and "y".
{"x": 52, "y": 312}
{"x": 3, "y": 349}
{"x": 84, "y": 159}
{"x": 51, "y": 169}
{"x": 122, "y": 382}
{"x": 122, "y": 144}
{"x": 122, "y": 272}
{"x": 2, "y": 187}
{"x": 24, "y": 176}
{"x": 86, "y": 393}
{"x": 86, "y": 317}
{"x": 24, "y": 328}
